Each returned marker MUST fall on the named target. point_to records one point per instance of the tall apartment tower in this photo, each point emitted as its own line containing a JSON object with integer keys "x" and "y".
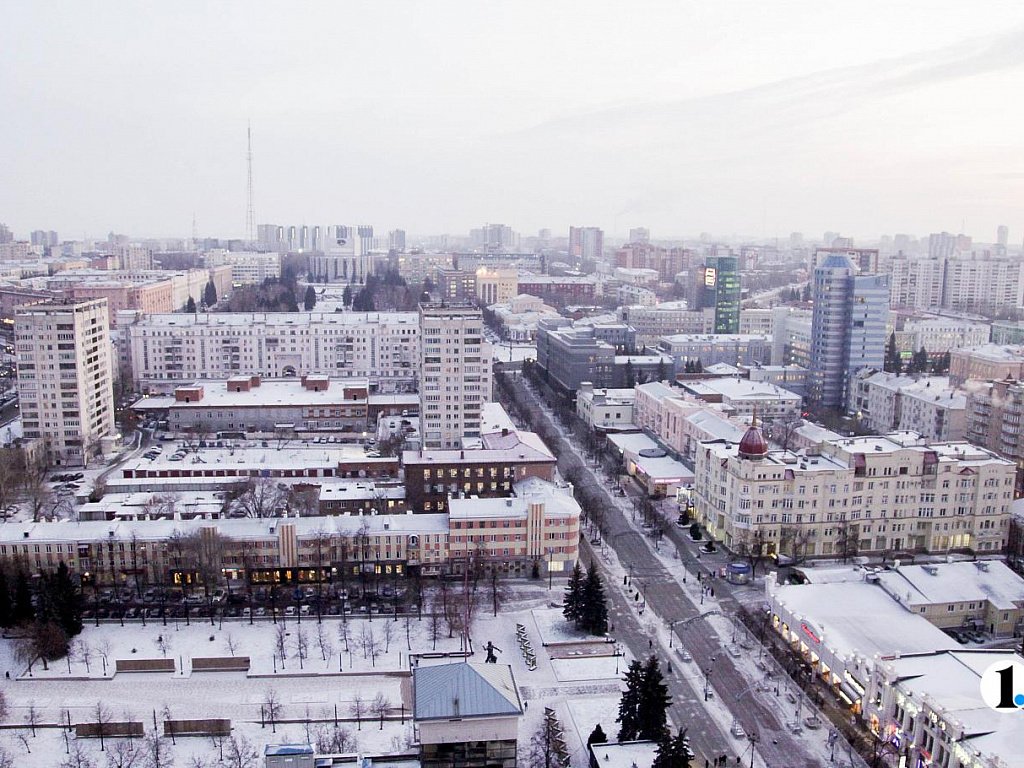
{"x": 847, "y": 327}
{"x": 586, "y": 242}
{"x": 64, "y": 377}
{"x": 455, "y": 373}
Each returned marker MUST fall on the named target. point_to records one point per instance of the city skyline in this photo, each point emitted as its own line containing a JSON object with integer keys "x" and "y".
{"x": 861, "y": 121}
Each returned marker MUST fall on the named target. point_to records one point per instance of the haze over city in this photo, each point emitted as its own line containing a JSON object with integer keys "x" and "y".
{"x": 747, "y": 119}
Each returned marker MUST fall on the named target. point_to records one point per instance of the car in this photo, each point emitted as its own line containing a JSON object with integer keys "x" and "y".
{"x": 176, "y": 457}
{"x": 246, "y": 612}
{"x": 304, "y": 609}
{"x": 684, "y": 655}
{"x": 975, "y": 636}
{"x": 289, "y": 610}
{"x": 154, "y": 613}
{"x": 261, "y": 611}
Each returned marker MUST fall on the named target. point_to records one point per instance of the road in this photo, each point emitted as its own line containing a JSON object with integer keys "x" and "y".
{"x": 777, "y": 747}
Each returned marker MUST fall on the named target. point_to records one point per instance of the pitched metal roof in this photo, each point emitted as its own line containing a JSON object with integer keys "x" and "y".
{"x": 461, "y": 690}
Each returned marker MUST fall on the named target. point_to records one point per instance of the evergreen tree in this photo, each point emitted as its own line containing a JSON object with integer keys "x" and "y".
{"x": 23, "y": 611}
{"x": 574, "y": 605}
{"x": 630, "y": 375}
{"x": 629, "y": 704}
{"x": 698, "y": 366}
{"x": 673, "y": 751}
{"x": 654, "y": 702}
{"x": 807, "y": 292}
{"x": 597, "y": 736}
{"x": 190, "y": 305}
{"x": 594, "y": 609}
{"x": 893, "y": 363}
{"x": 210, "y": 293}
{"x": 309, "y": 300}
{"x": 67, "y": 601}
{"x": 662, "y": 371}
{"x": 346, "y": 297}
{"x": 6, "y": 606}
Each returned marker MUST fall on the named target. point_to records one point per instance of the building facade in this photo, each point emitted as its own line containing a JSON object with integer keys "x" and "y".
{"x": 168, "y": 350}
{"x": 65, "y": 377}
{"x": 455, "y": 367}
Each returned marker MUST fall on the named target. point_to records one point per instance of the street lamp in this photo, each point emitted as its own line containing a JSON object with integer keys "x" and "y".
{"x": 551, "y": 552}
{"x": 671, "y": 631}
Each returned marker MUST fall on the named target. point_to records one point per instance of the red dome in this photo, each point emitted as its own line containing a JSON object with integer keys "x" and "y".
{"x": 753, "y": 445}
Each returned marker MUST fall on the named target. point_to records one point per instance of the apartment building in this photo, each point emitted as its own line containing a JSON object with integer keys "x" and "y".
{"x": 65, "y": 378}
{"x": 246, "y": 267}
{"x": 995, "y": 414}
{"x": 938, "y": 335}
{"x": 746, "y": 400}
{"x": 791, "y": 336}
{"x": 666, "y": 319}
{"x": 711, "y": 349}
{"x": 866, "y": 495}
{"x": 455, "y": 367}
{"x": 928, "y": 405}
{"x": 166, "y": 350}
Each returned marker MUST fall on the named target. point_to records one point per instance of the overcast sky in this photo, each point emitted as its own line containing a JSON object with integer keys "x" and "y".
{"x": 755, "y": 118}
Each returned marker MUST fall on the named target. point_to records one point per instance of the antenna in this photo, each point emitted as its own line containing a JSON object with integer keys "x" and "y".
{"x": 250, "y": 212}
{"x": 195, "y": 232}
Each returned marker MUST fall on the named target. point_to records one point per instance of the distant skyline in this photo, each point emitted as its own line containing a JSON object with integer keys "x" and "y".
{"x": 739, "y": 119}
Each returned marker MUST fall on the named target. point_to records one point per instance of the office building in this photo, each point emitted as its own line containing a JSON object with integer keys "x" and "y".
{"x": 44, "y": 238}
{"x": 455, "y": 285}
{"x": 719, "y": 288}
{"x": 865, "y": 260}
{"x": 847, "y": 328}
{"x": 496, "y": 285}
{"x": 639, "y": 235}
{"x": 988, "y": 362}
{"x": 586, "y": 243}
{"x": 6, "y": 236}
{"x": 494, "y": 237}
{"x": 711, "y": 349}
{"x": 455, "y": 373}
{"x": 65, "y": 378}
{"x": 246, "y": 267}
{"x": 396, "y": 240}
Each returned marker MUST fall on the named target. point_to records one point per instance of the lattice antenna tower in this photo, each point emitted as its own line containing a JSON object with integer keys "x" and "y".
{"x": 250, "y": 211}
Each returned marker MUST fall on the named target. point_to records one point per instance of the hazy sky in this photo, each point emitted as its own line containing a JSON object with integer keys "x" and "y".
{"x": 730, "y": 117}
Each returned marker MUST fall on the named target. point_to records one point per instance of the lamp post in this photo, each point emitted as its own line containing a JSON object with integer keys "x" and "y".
{"x": 551, "y": 552}
{"x": 671, "y": 631}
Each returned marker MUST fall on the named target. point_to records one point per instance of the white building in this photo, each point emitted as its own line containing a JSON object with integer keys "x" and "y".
{"x": 455, "y": 365}
{"x": 938, "y": 335}
{"x": 791, "y": 336}
{"x": 927, "y": 405}
{"x": 665, "y": 319}
{"x": 629, "y": 293}
{"x": 246, "y": 266}
{"x": 743, "y": 399}
{"x": 519, "y": 316}
{"x": 606, "y": 410}
{"x": 65, "y": 378}
{"x": 757, "y": 321}
{"x": 167, "y": 350}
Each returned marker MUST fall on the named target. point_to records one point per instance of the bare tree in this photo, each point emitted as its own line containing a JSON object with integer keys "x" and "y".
{"x": 435, "y": 623}
{"x": 156, "y": 756}
{"x": 230, "y": 643}
{"x": 103, "y": 648}
{"x": 358, "y": 709}
{"x": 271, "y": 708}
{"x": 6, "y": 761}
{"x": 793, "y": 541}
{"x": 370, "y": 644}
{"x": 344, "y": 633}
{"x": 281, "y": 642}
{"x": 847, "y": 539}
{"x": 301, "y": 644}
{"x": 77, "y": 757}
{"x": 163, "y": 644}
{"x": 124, "y": 753}
{"x": 388, "y": 631}
{"x": 755, "y": 548}
{"x": 324, "y": 643}
{"x": 101, "y": 717}
{"x": 11, "y": 469}
{"x": 408, "y": 620}
{"x": 380, "y": 706}
{"x": 262, "y": 497}
{"x": 331, "y": 738}
{"x": 239, "y": 753}
{"x": 32, "y": 717}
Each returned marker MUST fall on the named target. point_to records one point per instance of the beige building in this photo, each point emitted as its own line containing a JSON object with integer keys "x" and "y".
{"x": 496, "y": 285}
{"x": 990, "y": 362}
{"x": 65, "y": 378}
{"x": 455, "y": 373}
{"x": 867, "y": 495}
{"x": 607, "y": 410}
{"x": 927, "y": 405}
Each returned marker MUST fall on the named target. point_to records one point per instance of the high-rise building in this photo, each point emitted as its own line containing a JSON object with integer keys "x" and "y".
{"x": 847, "y": 327}
{"x": 586, "y": 243}
{"x": 639, "y": 235}
{"x": 396, "y": 240}
{"x": 864, "y": 259}
{"x": 64, "y": 377}
{"x": 6, "y": 236}
{"x": 719, "y": 288}
{"x": 1002, "y": 235}
{"x": 44, "y": 237}
{"x": 494, "y": 237}
{"x": 455, "y": 365}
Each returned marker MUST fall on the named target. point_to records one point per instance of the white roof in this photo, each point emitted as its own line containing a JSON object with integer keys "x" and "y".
{"x": 557, "y": 502}
{"x": 858, "y": 618}
{"x": 950, "y": 682}
{"x": 275, "y": 392}
{"x": 629, "y": 754}
{"x": 741, "y": 389}
{"x": 981, "y": 580}
{"x": 284, "y": 319}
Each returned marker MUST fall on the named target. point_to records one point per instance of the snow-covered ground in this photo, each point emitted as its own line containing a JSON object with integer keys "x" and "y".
{"x": 308, "y": 693}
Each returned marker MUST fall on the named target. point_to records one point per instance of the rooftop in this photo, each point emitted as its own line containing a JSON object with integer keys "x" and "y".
{"x": 464, "y": 689}
{"x": 981, "y": 580}
{"x": 740, "y": 389}
{"x": 279, "y": 319}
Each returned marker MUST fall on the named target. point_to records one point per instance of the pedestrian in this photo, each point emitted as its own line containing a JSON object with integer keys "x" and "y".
{"x": 669, "y": 667}
{"x": 650, "y": 643}
{"x": 526, "y": 704}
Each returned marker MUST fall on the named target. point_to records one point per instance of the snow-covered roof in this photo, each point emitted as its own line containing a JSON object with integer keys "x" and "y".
{"x": 627, "y": 754}
{"x": 858, "y": 618}
{"x": 464, "y": 689}
{"x": 557, "y": 502}
{"x": 740, "y": 389}
{"x": 975, "y": 581}
{"x": 269, "y": 393}
{"x": 948, "y": 683}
